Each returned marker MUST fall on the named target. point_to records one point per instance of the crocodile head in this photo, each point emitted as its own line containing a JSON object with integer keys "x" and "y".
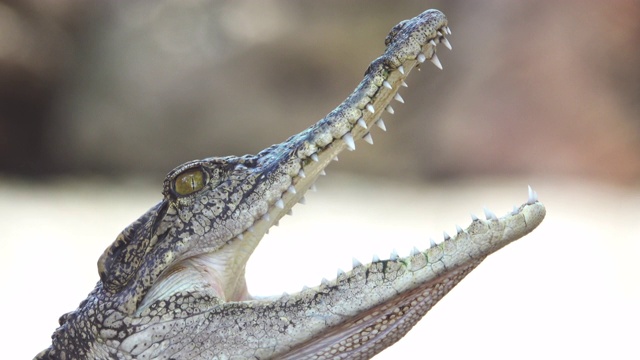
{"x": 173, "y": 284}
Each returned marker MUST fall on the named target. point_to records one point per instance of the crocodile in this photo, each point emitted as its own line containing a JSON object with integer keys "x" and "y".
{"x": 172, "y": 284}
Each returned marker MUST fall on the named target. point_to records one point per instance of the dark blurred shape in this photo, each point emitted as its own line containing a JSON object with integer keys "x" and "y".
{"x": 136, "y": 87}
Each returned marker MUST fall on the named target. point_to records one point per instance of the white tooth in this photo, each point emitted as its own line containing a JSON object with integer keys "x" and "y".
{"x": 313, "y": 187}
{"x": 266, "y": 217}
{"x": 421, "y": 58}
{"x": 490, "y": 215}
{"x": 474, "y": 217}
{"x": 340, "y": 272}
{"x": 515, "y": 210}
{"x": 280, "y": 204}
{"x": 362, "y": 123}
{"x": 439, "y": 33}
{"x": 447, "y": 29}
{"x": 381, "y": 125}
{"x": 446, "y": 43}
{"x": 414, "y": 251}
{"x": 399, "y": 98}
{"x": 305, "y": 287}
{"x": 375, "y": 259}
{"x": 348, "y": 139}
{"x": 533, "y": 197}
{"x": 368, "y": 138}
{"x": 446, "y": 236}
{"x": 335, "y": 158}
{"x": 314, "y": 157}
{"x": 394, "y": 255}
{"x": 302, "y": 174}
{"x": 370, "y": 108}
{"x": 432, "y": 42}
{"x": 292, "y": 189}
{"x": 404, "y": 84}
{"x": 240, "y": 236}
{"x": 386, "y": 84}
{"x": 389, "y": 109}
{"x": 323, "y": 173}
{"x": 401, "y": 69}
{"x": 432, "y": 243}
{"x": 459, "y": 229}
{"x": 355, "y": 263}
{"x": 436, "y": 61}
{"x": 250, "y": 229}
{"x": 324, "y": 282}
{"x": 302, "y": 200}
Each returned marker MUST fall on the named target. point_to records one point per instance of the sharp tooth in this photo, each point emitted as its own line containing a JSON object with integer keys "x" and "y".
{"x": 250, "y": 229}
{"x": 380, "y": 124}
{"x": 324, "y": 282}
{"x": 414, "y": 251}
{"x": 362, "y": 123}
{"x": 490, "y": 215}
{"x": 370, "y": 108}
{"x": 280, "y": 204}
{"x": 447, "y": 30}
{"x": 533, "y": 197}
{"x": 401, "y": 69}
{"x": 302, "y": 200}
{"x": 474, "y": 217}
{"x": 335, "y": 158}
{"x": 439, "y": 33}
{"x": 436, "y": 61}
{"x": 368, "y": 138}
{"x": 313, "y": 187}
{"x": 240, "y": 236}
{"x": 389, "y": 109}
{"x": 302, "y": 174}
{"x": 266, "y": 217}
{"x": 404, "y": 84}
{"x": 340, "y": 272}
{"x": 432, "y": 243}
{"x": 394, "y": 255}
{"x": 355, "y": 263}
{"x": 387, "y": 85}
{"x": 292, "y": 189}
{"x": 314, "y": 157}
{"x": 446, "y": 43}
{"x": 375, "y": 259}
{"x": 459, "y": 229}
{"x": 421, "y": 58}
{"x": 348, "y": 139}
{"x": 515, "y": 210}
{"x": 323, "y": 173}
{"x": 446, "y": 236}
{"x": 432, "y": 42}
{"x": 399, "y": 98}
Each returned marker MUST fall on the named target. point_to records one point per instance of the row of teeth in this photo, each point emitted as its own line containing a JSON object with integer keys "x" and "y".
{"x": 348, "y": 137}
{"x": 394, "y": 256}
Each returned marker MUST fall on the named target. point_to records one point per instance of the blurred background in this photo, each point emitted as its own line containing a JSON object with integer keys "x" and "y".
{"x": 99, "y": 100}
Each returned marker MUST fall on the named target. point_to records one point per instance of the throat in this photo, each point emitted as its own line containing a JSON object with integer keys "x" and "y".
{"x": 219, "y": 274}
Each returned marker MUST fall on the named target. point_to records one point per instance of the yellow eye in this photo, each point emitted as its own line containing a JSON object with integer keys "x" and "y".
{"x": 189, "y": 181}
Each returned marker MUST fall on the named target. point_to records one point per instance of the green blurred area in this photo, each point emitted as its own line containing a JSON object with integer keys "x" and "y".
{"x": 138, "y": 87}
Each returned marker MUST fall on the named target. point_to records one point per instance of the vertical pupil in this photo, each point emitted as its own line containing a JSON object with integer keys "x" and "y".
{"x": 189, "y": 182}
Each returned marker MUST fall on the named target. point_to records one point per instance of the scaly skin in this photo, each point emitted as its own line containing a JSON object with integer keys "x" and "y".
{"x": 172, "y": 285}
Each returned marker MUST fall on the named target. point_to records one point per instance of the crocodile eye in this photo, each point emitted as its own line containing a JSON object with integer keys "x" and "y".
{"x": 189, "y": 181}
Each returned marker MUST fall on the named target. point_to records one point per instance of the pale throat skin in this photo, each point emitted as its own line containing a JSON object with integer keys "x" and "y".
{"x": 172, "y": 285}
